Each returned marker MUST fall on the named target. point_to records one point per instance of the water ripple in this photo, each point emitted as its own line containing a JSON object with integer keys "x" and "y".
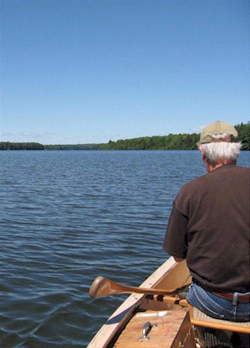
{"x": 68, "y": 217}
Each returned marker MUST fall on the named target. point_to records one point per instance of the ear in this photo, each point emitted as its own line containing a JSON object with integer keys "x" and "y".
{"x": 202, "y": 152}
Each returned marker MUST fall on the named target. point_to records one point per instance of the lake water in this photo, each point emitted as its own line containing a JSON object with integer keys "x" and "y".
{"x": 67, "y": 217}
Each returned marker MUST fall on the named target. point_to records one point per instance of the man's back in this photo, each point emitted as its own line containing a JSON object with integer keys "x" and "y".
{"x": 209, "y": 226}
{"x": 216, "y": 210}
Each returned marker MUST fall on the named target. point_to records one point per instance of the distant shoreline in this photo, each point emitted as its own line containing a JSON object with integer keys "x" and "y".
{"x": 167, "y": 142}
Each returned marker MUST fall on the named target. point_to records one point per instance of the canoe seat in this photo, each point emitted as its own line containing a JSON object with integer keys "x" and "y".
{"x": 199, "y": 318}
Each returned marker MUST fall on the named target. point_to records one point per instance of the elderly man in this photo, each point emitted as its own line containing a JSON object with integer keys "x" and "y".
{"x": 209, "y": 227}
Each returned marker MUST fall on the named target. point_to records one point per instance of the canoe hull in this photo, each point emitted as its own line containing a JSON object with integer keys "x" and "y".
{"x": 159, "y": 322}
{"x": 168, "y": 276}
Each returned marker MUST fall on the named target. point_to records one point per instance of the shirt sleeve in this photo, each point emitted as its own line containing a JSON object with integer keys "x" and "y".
{"x": 175, "y": 241}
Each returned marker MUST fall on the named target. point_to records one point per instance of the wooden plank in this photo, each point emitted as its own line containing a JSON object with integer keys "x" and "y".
{"x": 162, "y": 334}
{"x": 185, "y": 337}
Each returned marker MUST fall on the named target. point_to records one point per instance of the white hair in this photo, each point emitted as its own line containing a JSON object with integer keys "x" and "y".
{"x": 218, "y": 151}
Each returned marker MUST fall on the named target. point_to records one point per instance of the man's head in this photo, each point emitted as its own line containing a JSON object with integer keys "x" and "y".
{"x": 219, "y": 144}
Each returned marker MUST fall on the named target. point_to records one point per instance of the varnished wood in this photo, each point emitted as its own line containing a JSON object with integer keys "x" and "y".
{"x": 177, "y": 279}
{"x": 171, "y": 300}
{"x": 185, "y": 336}
{"x": 102, "y": 286}
{"x": 122, "y": 315}
{"x": 163, "y": 332}
{"x": 207, "y": 321}
{"x": 124, "y": 328}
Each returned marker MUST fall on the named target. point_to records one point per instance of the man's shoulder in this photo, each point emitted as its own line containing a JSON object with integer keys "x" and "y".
{"x": 244, "y": 170}
{"x": 203, "y": 182}
{"x": 194, "y": 183}
{"x": 191, "y": 188}
{"x": 230, "y": 171}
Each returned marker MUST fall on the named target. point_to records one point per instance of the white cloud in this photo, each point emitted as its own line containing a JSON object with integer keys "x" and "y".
{"x": 196, "y": 129}
{"x": 25, "y": 136}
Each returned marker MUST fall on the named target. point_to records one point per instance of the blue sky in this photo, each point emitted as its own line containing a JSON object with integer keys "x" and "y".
{"x": 90, "y": 71}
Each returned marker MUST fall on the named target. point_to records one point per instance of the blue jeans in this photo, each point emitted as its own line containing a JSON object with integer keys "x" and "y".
{"x": 218, "y": 307}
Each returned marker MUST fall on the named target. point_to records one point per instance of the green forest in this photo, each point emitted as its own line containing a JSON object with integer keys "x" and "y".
{"x": 167, "y": 142}
{"x": 20, "y": 146}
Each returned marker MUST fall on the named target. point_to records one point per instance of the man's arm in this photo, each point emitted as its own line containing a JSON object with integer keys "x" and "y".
{"x": 175, "y": 242}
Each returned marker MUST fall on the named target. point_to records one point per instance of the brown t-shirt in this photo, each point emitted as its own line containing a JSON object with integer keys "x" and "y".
{"x": 209, "y": 226}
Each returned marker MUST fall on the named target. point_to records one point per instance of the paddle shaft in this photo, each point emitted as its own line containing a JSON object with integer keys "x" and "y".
{"x": 103, "y": 286}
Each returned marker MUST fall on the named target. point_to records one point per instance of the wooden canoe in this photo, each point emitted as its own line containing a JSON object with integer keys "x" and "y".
{"x": 149, "y": 320}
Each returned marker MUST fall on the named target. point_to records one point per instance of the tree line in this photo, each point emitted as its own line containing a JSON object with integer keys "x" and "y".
{"x": 166, "y": 142}
{"x": 244, "y": 135}
{"x": 173, "y": 141}
{"x": 20, "y": 146}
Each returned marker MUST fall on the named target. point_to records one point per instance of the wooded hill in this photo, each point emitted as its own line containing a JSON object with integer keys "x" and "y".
{"x": 167, "y": 142}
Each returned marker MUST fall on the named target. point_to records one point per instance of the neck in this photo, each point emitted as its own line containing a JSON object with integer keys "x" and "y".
{"x": 212, "y": 166}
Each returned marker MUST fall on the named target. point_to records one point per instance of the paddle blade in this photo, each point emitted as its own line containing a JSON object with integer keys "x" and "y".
{"x": 102, "y": 286}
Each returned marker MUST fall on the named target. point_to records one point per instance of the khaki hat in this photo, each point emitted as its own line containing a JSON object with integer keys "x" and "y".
{"x": 217, "y": 128}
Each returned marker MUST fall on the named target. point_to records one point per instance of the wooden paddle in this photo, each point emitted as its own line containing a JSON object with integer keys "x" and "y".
{"x": 102, "y": 286}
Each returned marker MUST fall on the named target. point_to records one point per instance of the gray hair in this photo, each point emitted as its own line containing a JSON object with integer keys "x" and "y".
{"x": 221, "y": 150}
